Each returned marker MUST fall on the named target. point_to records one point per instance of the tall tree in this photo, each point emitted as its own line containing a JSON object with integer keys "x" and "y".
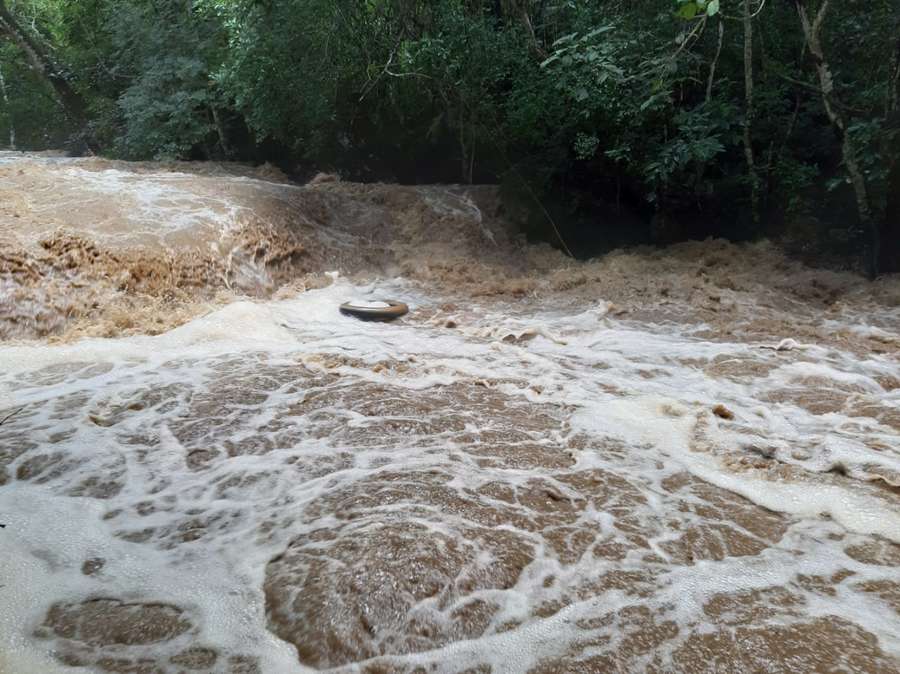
{"x": 748, "y": 112}
{"x": 43, "y": 63}
{"x": 4, "y": 96}
{"x": 812, "y": 31}
{"x": 889, "y": 236}
{"x": 889, "y": 258}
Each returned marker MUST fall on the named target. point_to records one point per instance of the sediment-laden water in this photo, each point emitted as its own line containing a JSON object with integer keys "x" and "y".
{"x": 668, "y": 461}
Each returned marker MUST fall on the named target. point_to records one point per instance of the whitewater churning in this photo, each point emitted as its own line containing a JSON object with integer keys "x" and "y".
{"x": 545, "y": 467}
{"x": 103, "y": 248}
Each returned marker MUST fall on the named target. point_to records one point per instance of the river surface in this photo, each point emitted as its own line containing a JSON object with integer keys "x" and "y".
{"x": 683, "y": 461}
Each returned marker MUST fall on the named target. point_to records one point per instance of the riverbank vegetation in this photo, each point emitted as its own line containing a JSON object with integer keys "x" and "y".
{"x": 627, "y": 122}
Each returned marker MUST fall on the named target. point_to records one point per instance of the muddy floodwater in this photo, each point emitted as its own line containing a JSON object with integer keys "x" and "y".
{"x": 681, "y": 460}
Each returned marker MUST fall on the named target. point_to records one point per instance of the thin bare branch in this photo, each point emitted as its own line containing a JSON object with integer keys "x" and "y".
{"x": 10, "y": 415}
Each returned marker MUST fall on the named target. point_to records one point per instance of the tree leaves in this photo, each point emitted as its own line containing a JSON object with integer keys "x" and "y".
{"x": 688, "y": 10}
{"x": 691, "y": 9}
{"x": 379, "y": 87}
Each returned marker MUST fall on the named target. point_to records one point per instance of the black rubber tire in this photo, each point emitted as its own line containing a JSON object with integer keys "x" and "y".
{"x": 389, "y": 313}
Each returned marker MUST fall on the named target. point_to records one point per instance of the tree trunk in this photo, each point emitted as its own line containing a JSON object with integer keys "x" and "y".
{"x": 9, "y": 116}
{"x": 715, "y": 62}
{"x": 471, "y": 176}
{"x": 748, "y": 119}
{"x": 700, "y": 169}
{"x": 893, "y": 97}
{"x": 463, "y": 150}
{"x": 889, "y": 234}
{"x": 224, "y": 145}
{"x": 812, "y": 30}
{"x": 42, "y": 63}
{"x": 519, "y": 10}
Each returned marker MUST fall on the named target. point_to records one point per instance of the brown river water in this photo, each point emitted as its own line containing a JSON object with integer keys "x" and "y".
{"x": 680, "y": 460}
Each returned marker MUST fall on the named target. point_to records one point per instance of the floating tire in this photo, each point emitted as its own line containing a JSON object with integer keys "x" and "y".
{"x": 388, "y": 313}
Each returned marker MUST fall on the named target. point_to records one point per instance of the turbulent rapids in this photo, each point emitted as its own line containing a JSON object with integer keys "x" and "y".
{"x": 660, "y": 461}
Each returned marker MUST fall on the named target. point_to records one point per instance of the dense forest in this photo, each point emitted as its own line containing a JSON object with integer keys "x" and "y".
{"x": 620, "y": 121}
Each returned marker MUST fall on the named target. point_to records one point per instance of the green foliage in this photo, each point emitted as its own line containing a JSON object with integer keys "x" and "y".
{"x": 690, "y": 9}
{"x": 164, "y": 52}
{"x": 572, "y": 95}
{"x": 38, "y": 121}
{"x": 286, "y": 68}
{"x": 696, "y": 142}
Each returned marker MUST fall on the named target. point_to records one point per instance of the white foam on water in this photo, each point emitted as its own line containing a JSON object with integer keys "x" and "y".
{"x": 367, "y": 304}
{"x": 47, "y": 537}
{"x": 188, "y": 461}
{"x": 166, "y": 210}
